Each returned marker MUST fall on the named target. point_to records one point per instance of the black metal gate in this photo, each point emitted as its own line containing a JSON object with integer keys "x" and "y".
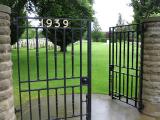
{"x": 125, "y": 64}
{"x": 53, "y": 85}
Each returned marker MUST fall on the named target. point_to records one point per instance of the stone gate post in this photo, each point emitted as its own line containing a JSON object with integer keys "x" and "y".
{"x": 151, "y": 67}
{"x": 6, "y": 89}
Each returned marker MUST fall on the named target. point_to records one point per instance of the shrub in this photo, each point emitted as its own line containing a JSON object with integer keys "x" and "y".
{"x": 98, "y": 36}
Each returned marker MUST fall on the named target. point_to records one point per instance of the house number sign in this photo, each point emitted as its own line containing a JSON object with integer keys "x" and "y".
{"x": 54, "y": 23}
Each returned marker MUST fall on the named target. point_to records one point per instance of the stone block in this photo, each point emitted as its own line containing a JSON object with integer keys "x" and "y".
{"x": 151, "y": 58}
{"x": 6, "y": 104}
{"x": 149, "y": 98}
{"x": 12, "y": 113}
{"x": 152, "y": 34}
{"x": 150, "y": 69}
{"x": 153, "y": 29}
{"x": 4, "y": 16}
{"x": 152, "y": 46}
{"x": 5, "y": 39}
{"x": 152, "y": 52}
{"x": 4, "y": 57}
{"x": 151, "y": 64}
{"x": 5, "y": 66}
{"x": 152, "y": 109}
{"x": 8, "y": 115}
{"x": 5, "y": 84}
{"x": 5, "y": 74}
{"x": 151, "y": 76}
{"x": 4, "y": 22}
{"x": 151, "y": 40}
{"x": 5, "y": 9}
{"x": 155, "y": 85}
{"x": 4, "y": 95}
{"x": 5, "y": 48}
{"x": 5, "y": 30}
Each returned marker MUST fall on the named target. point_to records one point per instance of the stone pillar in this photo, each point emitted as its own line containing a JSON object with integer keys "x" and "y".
{"x": 151, "y": 82}
{"x": 6, "y": 89}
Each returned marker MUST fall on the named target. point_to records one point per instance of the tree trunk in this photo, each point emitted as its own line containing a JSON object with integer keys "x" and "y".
{"x": 63, "y": 49}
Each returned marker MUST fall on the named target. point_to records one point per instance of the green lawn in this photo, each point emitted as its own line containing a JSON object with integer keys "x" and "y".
{"x": 100, "y": 65}
{"x": 99, "y": 69}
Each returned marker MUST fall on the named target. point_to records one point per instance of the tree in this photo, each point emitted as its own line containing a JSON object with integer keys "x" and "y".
{"x": 96, "y": 26}
{"x": 64, "y": 9}
{"x": 31, "y": 33}
{"x": 17, "y": 8}
{"x": 120, "y": 27}
{"x": 120, "y": 21}
{"x": 96, "y": 33}
{"x": 52, "y": 8}
{"x": 144, "y": 9}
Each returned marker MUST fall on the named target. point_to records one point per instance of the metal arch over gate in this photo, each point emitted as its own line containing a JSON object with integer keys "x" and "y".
{"x": 64, "y": 90}
{"x": 125, "y": 64}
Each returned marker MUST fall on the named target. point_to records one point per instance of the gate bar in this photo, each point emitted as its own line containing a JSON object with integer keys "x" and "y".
{"x": 28, "y": 65}
{"x": 47, "y": 76}
{"x": 141, "y": 71}
{"x": 37, "y": 54}
{"x": 72, "y": 53}
{"x": 137, "y": 49}
{"x": 112, "y": 63}
{"x": 81, "y": 111}
{"x": 116, "y": 48}
{"x": 56, "y": 94}
{"x": 127, "y": 66}
{"x": 39, "y": 104}
{"x": 89, "y": 71}
{"x": 109, "y": 61}
{"x": 19, "y": 73}
{"x": 124, "y": 50}
{"x": 64, "y": 65}
{"x": 120, "y": 65}
{"x": 55, "y": 53}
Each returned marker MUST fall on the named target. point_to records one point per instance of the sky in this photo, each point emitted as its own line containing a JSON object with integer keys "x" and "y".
{"x": 106, "y": 11}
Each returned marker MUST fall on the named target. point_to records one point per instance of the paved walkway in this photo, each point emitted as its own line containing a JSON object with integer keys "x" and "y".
{"x": 103, "y": 108}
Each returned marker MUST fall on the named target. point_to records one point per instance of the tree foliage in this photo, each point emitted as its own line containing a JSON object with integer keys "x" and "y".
{"x": 50, "y": 8}
{"x": 96, "y": 26}
{"x": 64, "y": 9}
{"x": 144, "y": 8}
{"x": 120, "y": 27}
{"x": 97, "y": 35}
{"x": 17, "y": 8}
{"x": 120, "y": 21}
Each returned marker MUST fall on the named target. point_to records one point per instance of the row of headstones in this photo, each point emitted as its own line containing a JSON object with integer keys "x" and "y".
{"x": 32, "y": 44}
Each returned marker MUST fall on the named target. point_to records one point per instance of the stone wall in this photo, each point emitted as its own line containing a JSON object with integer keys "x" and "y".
{"x": 151, "y": 82}
{"x": 6, "y": 90}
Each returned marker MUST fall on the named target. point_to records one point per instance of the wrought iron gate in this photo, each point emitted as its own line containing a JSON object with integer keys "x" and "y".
{"x": 53, "y": 85}
{"x": 125, "y": 64}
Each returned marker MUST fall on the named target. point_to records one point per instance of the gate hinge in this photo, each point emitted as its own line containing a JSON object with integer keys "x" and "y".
{"x": 17, "y": 110}
{"x": 87, "y": 99}
{"x": 84, "y": 80}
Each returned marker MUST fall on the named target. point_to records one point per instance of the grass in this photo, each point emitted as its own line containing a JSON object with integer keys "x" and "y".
{"x": 99, "y": 69}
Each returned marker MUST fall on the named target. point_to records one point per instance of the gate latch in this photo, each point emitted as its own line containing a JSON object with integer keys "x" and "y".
{"x": 84, "y": 80}
{"x": 111, "y": 67}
